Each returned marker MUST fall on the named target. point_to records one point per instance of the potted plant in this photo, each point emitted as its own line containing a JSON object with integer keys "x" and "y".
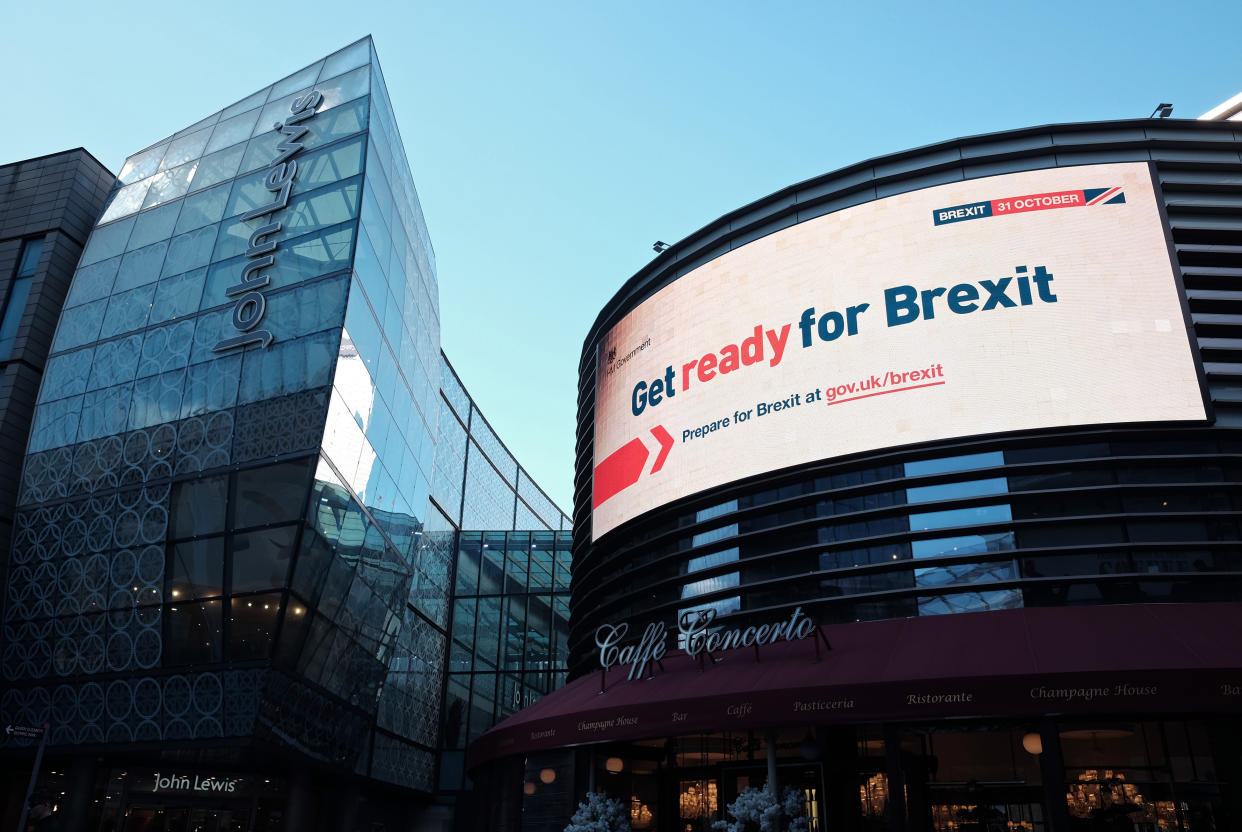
{"x": 758, "y": 810}
{"x": 600, "y": 813}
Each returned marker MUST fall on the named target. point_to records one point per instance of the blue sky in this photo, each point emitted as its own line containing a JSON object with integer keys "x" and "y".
{"x": 552, "y": 143}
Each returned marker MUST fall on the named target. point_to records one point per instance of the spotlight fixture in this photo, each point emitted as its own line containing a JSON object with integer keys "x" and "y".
{"x": 659, "y": 246}
{"x": 1165, "y": 110}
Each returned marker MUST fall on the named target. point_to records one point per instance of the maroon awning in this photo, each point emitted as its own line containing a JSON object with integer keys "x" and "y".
{"x": 1137, "y": 658}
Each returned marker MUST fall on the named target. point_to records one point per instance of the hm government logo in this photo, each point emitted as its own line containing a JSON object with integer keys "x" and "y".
{"x": 615, "y": 363}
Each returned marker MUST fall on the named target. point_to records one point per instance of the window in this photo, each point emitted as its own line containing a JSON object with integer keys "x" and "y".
{"x": 15, "y": 304}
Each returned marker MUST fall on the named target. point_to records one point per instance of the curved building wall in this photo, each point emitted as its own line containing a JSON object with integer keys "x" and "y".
{"x": 1113, "y": 512}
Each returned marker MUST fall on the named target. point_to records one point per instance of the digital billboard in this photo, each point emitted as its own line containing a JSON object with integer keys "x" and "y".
{"x": 1026, "y": 300}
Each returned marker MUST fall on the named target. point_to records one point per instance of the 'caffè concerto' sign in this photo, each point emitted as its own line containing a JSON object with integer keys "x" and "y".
{"x": 696, "y": 636}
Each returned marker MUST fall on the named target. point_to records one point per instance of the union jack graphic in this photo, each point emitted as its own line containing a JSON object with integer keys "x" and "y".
{"x": 1103, "y": 196}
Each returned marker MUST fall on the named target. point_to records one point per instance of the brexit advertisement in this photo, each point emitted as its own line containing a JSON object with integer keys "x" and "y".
{"x": 1027, "y": 300}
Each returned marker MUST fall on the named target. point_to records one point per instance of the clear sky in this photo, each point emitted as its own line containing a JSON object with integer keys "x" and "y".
{"x": 552, "y": 143}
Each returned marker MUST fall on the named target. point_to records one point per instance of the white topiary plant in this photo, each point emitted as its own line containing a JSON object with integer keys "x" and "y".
{"x": 758, "y": 810}
{"x": 600, "y": 813}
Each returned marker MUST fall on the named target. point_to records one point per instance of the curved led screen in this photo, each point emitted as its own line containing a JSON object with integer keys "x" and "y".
{"x": 1027, "y": 300}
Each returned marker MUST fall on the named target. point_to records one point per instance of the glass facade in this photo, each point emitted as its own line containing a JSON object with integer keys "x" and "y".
{"x": 510, "y": 625}
{"x": 249, "y": 460}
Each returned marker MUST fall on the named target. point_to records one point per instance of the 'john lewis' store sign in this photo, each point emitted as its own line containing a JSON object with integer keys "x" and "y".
{"x": 261, "y": 251}
{"x": 696, "y": 638}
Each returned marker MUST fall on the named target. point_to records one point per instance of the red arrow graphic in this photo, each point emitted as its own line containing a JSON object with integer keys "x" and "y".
{"x": 666, "y": 445}
{"x": 624, "y": 466}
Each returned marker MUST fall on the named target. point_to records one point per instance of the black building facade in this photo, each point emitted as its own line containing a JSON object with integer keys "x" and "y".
{"x": 229, "y": 588}
{"x": 973, "y": 589}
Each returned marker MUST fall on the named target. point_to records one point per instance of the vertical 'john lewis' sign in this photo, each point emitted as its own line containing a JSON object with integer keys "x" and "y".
{"x": 261, "y": 251}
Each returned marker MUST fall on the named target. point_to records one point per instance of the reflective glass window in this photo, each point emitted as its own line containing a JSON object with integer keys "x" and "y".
{"x": 271, "y": 494}
{"x": 196, "y": 569}
{"x": 166, "y": 348}
{"x": 252, "y": 625}
{"x": 156, "y": 399}
{"x": 288, "y": 366}
{"x": 153, "y": 226}
{"x": 197, "y": 506}
{"x": 218, "y": 167}
{"x": 116, "y": 361}
{"x": 66, "y": 375}
{"x": 126, "y": 201}
{"x": 261, "y": 559}
{"x": 55, "y": 424}
{"x": 141, "y": 165}
{"x": 202, "y": 208}
{"x": 211, "y": 385}
{"x": 92, "y": 282}
{"x": 972, "y": 516}
{"x": 177, "y": 296}
{"x": 169, "y": 185}
{"x": 311, "y": 570}
{"x": 140, "y": 267}
{"x": 105, "y": 412}
{"x": 956, "y": 490}
{"x": 193, "y": 633}
{"x": 1002, "y": 599}
{"x": 190, "y": 250}
{"x": 185, "y": 149}
{"x": 107, "y": 242}
{"x": 231, "y": 131}
{"x": 964, "y": 462}
{"x": 970, "y": 544}
{"x": 80, "y": 325}
{"x": 14, "y": 307}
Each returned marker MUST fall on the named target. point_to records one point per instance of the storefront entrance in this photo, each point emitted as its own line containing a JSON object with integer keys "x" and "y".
{"x": 142, "y": 817}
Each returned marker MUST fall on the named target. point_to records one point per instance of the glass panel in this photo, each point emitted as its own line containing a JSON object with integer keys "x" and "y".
{"x": 32, "y": 250}
{"x": 193, "y": 634}
{"x": 13, "y": 309}
{"x": 127, "y": 200}
{"x": 153, "y": 226}
{"x": 964, "y": 545}
{"x": 169, "y": 184}
{"x": 272, "y": 494}
{"x": 140, "y": 267}
{"x": 956, "y": 490}
{"x": 965, "y": 462}
{"x": 92, "y": 282}
{"x": 80, "y": 325}
{"x": 202, "y": 208}
{"x": 960, "y": 517}
{"x": 218, "y": 167}
{"x": 178, "y": 296}
{"x": 115, "y": 362}
{"x": 141, "y": 165}
{"x": 107, "y": 242}
{"x": 252, "y": 626}
{"x": 189, "y": 251}
{"x": 197, "y": 506}
{"x": 231, "y": 131}
{"x": 196, "y": 569}
{"x": 1004, "y": 599}
{"x": 66, "y": 375}
{"x": 261, "y": 559}
{"x": 104, "y": 412}
{"x": 185, "y": 149}
{"x": 351, "y": 57}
